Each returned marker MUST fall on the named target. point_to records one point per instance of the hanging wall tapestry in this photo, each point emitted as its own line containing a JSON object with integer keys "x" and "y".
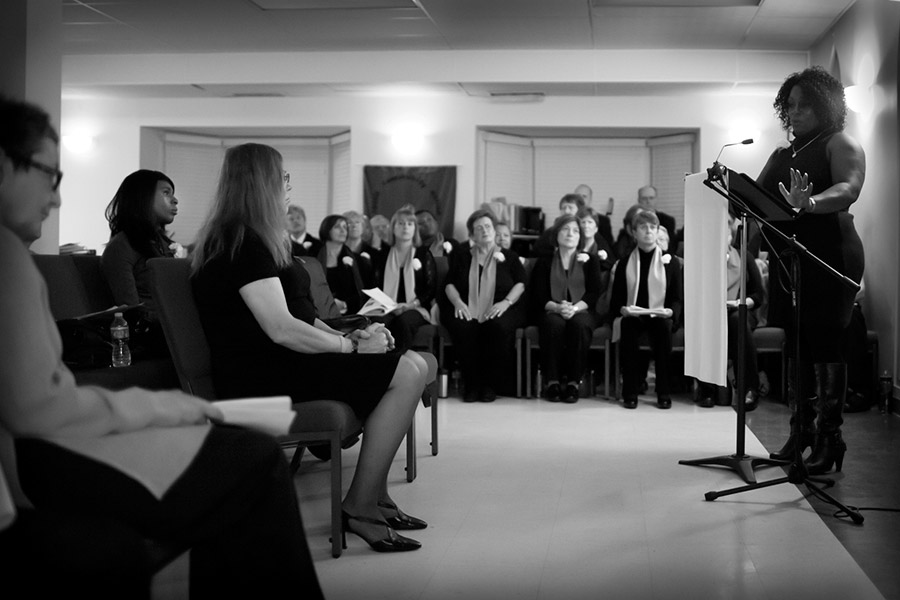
{"x": 431, "y": 188}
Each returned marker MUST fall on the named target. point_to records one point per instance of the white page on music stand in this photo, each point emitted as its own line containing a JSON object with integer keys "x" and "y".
{"x": 705, "y": 315}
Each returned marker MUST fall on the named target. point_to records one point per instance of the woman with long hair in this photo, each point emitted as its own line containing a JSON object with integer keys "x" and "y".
{"x": 408, "y": 275}
{"x": 265, "y": 339}
{"x": 821, "y": 173}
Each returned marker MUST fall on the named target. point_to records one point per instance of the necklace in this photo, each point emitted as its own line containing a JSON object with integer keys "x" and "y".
{"x": 794, "y": 153}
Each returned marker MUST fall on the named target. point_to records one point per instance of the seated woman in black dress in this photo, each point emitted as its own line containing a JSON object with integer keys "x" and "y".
{"x": 255, "y": 305}
{"x": 340, "y": 264}
{"x": 565, "y": 287}
{"x": 646, "y": 295}
{"x": 359, "y": 236}
{"x": 408, "y": 274}
{"x": 484, "y": 285}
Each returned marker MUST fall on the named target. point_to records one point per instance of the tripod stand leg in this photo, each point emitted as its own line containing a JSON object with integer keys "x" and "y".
{"x": 741, "y": 464}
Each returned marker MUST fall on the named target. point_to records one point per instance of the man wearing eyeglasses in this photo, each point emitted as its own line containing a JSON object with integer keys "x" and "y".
{"x": 38, "y": 195}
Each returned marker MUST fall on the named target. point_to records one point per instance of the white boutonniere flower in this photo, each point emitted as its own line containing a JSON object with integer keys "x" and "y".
{"x": 347, "y": 261}
{"x": 522, "y": 260}
{"x": 417, "y": 264}
{"x": 498, "y": 256}
{"x": 307, "y": 245}
{"x": 602, "y": 255}
{"x": 581, "y": 257}
{"x": 448, "y": 247}
{"x": 666, "y": 258}
{"x": 178, "y": 249}
{"x": 365, "y": 255}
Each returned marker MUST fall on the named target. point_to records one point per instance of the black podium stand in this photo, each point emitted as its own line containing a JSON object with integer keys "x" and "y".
{"x": 745, "y": 196}
{"x": 746, "y": 199}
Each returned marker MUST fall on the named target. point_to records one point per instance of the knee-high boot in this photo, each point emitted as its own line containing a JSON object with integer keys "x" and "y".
{"x": 829, "y": 448}
{"x": 801, "y": 399}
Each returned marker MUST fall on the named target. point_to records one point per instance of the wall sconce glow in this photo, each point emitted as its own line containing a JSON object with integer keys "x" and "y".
{"x": 408, "y": 139}
{"x": 860, "y": 99}
{"x": 78, "y": 143}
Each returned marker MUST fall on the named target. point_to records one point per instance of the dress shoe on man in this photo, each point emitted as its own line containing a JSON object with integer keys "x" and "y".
{"x": 552, "y": 393}
{"x": 630, "y": 402}
{"x": 664, "y": 402}
{"x": 570, "y": 396}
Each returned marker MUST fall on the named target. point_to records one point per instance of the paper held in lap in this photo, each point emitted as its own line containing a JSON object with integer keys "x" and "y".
{"x": 272, "y": 415}
{"x": 379, "y": 303}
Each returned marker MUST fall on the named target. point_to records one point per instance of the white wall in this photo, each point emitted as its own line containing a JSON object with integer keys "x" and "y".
{"x": 449, "y": 123}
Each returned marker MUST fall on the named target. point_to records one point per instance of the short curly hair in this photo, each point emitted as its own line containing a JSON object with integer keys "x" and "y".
{"x": 824, "y": 93}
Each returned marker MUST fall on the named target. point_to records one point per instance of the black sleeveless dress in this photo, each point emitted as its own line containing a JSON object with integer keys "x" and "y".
{"x": 825, "y": 302}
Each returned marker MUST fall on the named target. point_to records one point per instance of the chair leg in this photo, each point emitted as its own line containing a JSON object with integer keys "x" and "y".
{"x": 338, "y": 541}
{"x": 434, "y": 425}
{"x": 606, "y": 355}
{"x": 297, "y": 457}
{"x": 529, "y": 392}
{"x": 411, "y": 451}
{"x": 518, "y": 367}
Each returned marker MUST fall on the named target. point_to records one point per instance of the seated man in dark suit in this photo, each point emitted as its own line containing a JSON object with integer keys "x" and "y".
{"x": 647, "y": 199}
{"x": 604, "y": 225}
{"x": 302, "y": 242}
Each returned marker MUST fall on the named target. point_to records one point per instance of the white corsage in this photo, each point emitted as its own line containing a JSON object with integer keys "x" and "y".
{"x": 582, "y": 257}
{"x": 448, "y": 247}
{"x": 666, "y": 258}
{"x": 417, "y": 264}
{"x": 347, "y": 261}
{"x": 602, "y": 255}
{"x": 498, "y": 256}
{"x": 178, "y": 249}
{"x": 307, "y": 245}
{"x": 523, "y": 260}
{"x": 365, "y": 255}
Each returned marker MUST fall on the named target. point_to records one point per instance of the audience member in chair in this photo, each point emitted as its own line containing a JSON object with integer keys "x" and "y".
{"x": 595, "y": 243}
{"x": 570, "y": 204}
{"x": 625, "y": 242}
{"x": 148, "y": 462}
{"x": 138, "y": 214}
{"x": 754, "y": 296}
{"x": 564, "y": 288}
{"x": 432, "y": 238}
{"x": 604, "y": 226}
{"x": 260, "y": 321}
{"x": 302, "y": 242}
{"x": 408, "y": 275}
{"x": 341, "y": 265}
{"x": 364, "y": 253}
{"x": 484, "y": 285}
{"x": 646, "y": 292}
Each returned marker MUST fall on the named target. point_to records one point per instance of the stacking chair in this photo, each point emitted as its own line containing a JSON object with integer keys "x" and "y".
{"x": 318, "y": 422}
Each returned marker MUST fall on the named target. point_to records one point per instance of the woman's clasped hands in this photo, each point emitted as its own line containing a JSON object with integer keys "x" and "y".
{"x": 374, "y": 339}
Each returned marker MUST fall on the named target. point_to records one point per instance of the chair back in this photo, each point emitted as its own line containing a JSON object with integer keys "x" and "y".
{"x": 326, "y": 307}
{"x": 75, "y": 284}
{"x": 170, "y": 285}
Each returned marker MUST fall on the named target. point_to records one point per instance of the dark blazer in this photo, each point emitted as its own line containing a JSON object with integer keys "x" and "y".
{"x": 674, "y": 290}
{"x": 345, "y": 281}
{"x": 539, "y": 282}
{"x": 315, "y": 245}
{"x": 426, "y": 277}
{"x": 509, "y": 273}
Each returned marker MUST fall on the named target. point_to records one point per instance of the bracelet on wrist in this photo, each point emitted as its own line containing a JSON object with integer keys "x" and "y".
{"x": 812, "y": 205}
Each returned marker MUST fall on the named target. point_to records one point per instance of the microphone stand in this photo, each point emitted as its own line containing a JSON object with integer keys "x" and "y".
{"x": 740, "y": 461}
{"x": 797, "y": 472}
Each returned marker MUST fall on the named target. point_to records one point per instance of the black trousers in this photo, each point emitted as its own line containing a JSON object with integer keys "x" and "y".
{"x": 565, "y": 344}
{"x": 235, "y": 507}
{"x": 486, "y": 351}
{"x": 659, "y": 334}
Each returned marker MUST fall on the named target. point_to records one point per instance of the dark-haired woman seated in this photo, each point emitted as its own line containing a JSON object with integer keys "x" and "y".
{"x": 408, "y": 275}
{"x": 265, "y": 339}
{"x": 484, "y": 287}
{"x": 565, "y": 287}
{"x": 341, "y": 266}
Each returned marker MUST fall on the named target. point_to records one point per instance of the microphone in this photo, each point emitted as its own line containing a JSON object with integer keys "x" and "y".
{"x": 717, "y": 171}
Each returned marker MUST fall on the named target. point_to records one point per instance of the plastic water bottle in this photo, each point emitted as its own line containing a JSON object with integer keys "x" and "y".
{"x": 118, "y": 331}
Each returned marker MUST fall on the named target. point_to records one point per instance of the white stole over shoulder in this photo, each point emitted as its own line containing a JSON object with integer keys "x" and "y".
{"x": 656, "y": 279}
{"x": 705, "y": 314}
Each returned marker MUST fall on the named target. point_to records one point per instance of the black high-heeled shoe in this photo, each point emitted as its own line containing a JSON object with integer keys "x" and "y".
{"x": 828, "y": 451}
{"x": 392, "y": 543}
{"x": 402, "y": 521}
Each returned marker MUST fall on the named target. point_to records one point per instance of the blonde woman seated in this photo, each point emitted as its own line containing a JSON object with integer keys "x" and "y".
{"x": 565, "y": 287}
{"x": 359, "y": 234}
{"x": 646, "y": 293}
{"x": 255, "y": 305}
{"x": 484, "y": 285}
{"x": 408, "y": 275}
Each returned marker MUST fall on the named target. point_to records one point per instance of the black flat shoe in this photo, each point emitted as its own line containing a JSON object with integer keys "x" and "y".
{"x": 487, "y": 395}
{"x": 402, "y": 521}
{"x": 392, "y": 543}
{"x": 552, "y": 393}
{"x": 630, "y": 403}
{"x": 570, "y": 396}
{"x": 664, "y": 402}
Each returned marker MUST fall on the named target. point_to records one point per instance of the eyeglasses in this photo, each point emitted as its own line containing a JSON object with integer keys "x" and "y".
{"x": 52, "y": 171}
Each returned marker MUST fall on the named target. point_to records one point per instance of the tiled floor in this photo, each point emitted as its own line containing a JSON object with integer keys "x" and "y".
{"x": 529, "y": 499}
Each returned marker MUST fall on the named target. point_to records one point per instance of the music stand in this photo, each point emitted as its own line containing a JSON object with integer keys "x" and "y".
{"x": 743, "y": 198}
{"x": 745, "y": 195}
